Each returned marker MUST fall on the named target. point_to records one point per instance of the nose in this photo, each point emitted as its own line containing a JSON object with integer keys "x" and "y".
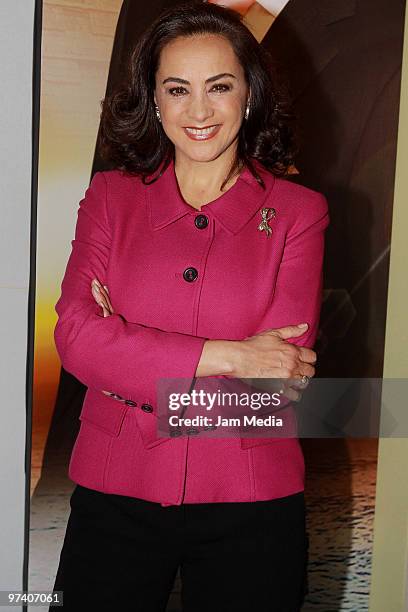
{"x": 200, "y": 108}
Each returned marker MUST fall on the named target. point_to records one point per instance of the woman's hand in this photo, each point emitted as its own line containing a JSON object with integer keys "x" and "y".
{"x": 101, "y": 295}
{"x": 268, "y": 355}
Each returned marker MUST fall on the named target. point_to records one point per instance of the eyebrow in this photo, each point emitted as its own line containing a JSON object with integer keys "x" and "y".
{"x": 209, "y": 80}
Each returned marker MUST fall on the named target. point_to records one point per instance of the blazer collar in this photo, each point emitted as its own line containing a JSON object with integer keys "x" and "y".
{"x": 233, "y": 209}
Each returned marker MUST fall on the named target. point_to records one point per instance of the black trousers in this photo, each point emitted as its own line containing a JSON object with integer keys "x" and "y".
{"x": 123, "y": 553}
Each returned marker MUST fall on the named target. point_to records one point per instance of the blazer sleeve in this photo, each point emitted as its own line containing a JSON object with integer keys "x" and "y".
{"x": 110, "y": 353}
{"x": 298, "y": 289}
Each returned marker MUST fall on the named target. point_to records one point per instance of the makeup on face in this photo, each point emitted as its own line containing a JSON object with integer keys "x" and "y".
{"x": 201, "y": 92}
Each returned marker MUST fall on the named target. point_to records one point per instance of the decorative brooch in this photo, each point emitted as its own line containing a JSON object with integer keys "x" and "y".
{"x": 267, "y": 214}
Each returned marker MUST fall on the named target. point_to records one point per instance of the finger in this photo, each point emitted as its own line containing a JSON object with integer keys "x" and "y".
{"x": 302, "y": 380}
{"x": 96, "y": 283}
{"x": 307, "y": 370}
{"x": 100, "y": 295}
{"x": 110, "y": 306}
{"x": 97, "y": 296}
{"x": 290, "y": 331}
{"x": 101, "y": 302}
{"x": 292, "y": 394}
{"x": 103, "y": 289}
{"x": 296, "y": 379}
{"x": 286, "y": 390}
{"x": 307, "y": 355}
{"x": 107, "y": 302}
{"x": 298, "y": 383}
{"x": 106, "y": 311}
{"x": 96, "y": 289}
{"x": 106, "y": 297}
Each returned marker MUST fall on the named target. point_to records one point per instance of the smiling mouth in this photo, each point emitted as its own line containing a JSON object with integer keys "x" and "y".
{"x": 202, "y": 133}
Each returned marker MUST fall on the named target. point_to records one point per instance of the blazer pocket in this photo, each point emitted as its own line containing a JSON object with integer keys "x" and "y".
{"x": 103, "y": 412}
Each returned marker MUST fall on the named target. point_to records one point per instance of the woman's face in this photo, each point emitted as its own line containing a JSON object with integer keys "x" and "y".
{"x": 201, "y": 84}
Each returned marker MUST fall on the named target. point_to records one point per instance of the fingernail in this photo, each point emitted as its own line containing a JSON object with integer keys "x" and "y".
{"x": 303, "y": 325}
{"x": 95, "y": 286}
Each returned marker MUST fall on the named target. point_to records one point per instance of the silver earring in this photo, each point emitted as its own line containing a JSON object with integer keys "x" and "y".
{"x": 158, "y": 113}
{"x": 247, "y": 111}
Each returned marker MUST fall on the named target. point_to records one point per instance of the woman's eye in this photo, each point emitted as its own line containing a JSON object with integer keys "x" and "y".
{"x": 220, "y": 87}
{"x": 179, "y": 91}
{"x": 176, "y": 91}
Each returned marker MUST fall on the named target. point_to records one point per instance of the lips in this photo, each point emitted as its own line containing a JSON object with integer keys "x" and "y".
{"x": 202, "y": 133}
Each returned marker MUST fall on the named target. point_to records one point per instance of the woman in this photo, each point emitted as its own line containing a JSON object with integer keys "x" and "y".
{"x": 208, "y": 263}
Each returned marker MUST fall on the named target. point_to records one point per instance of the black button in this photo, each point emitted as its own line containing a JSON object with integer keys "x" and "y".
{"x": 174, "y": 433}
{"x": 201, "y": 221}
{"x": 190, "y": 274}
{"x": 130, "y": 403}
{"x": 146, "y": 408}
{"x": 116, "y": 396}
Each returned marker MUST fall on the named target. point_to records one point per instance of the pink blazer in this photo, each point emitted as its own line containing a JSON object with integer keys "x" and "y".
{"x": 176, "y": 277}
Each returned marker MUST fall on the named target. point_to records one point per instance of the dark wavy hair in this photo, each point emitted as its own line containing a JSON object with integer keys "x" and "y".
{"x": 132, "y": 138}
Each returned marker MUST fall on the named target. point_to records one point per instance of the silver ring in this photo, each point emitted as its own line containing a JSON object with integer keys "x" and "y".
{"x": 305, "y": 379}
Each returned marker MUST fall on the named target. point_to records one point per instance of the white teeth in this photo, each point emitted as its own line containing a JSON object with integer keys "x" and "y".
{"x": 201, "y": 132}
